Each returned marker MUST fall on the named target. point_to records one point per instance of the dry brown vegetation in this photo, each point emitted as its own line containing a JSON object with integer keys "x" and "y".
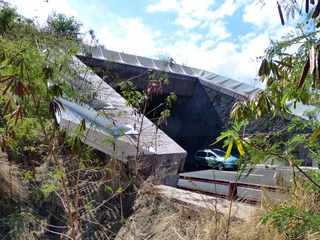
{"x": 159, "y": 218}
{"x": 11, "y": 186}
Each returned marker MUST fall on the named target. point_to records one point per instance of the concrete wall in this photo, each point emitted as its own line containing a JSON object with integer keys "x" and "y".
{"x": 196, "y": 121}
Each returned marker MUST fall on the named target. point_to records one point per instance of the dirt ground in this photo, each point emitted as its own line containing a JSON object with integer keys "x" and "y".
{"x": 159, "y": 217}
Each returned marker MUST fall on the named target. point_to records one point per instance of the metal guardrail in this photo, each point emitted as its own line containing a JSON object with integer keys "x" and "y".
{"x": 232, "y": 193}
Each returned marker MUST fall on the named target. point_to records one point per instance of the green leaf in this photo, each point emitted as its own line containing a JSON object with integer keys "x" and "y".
{"x": 315, "y": 136}
{"x": 240, "y": 147}
{"x": 48, "y": 188}
{"x": 109, "y": 189}
{"x": 58, "y": 174}
{"x": 228, "y": 153}
{"x": 120, "y": 190}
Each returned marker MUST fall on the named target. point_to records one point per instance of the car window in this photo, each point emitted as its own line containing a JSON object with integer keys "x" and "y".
{"x": 201, "y": 154}
{"x": 219, "y": 152}
{"x": 211, "y": 154}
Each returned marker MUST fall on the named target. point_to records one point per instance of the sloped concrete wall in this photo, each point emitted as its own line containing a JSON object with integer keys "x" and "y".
{"x": 160, "y": 150}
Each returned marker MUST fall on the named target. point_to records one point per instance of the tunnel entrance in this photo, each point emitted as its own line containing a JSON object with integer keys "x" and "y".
{"x": 196, "y": 119}
{"x": 194, "y": 122}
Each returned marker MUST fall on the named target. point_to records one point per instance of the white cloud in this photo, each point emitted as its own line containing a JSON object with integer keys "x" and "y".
{"x": 203, "y": 14}
{"x": 214, "y": 51}
{"x": 130, "y": 35}
{"x": 40, "y": 9}
{"x": 163, "y": 6}
{"x": 190, "y": 13}
{"x": 218, "y": 31}
{"x": 235, "y": 60}
{"x": 202, "y": 39}
{"x": 227, "y": 8}
{"x": 262, "y": 15}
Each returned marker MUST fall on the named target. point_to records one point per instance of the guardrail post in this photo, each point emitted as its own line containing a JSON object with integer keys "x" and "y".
{"x": 232, "y": 191}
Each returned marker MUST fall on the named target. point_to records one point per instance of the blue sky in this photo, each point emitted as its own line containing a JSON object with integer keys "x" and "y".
{"x": 223, "y": 36}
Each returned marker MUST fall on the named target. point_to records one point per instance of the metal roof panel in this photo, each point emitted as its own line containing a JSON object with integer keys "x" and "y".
{"x": 129, "y": 59}
{"x": 111, "y": 55}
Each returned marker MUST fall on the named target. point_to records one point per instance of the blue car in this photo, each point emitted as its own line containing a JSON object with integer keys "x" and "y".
{"x": 215, "y": 158}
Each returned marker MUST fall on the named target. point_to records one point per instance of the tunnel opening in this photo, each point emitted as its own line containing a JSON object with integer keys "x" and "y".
{"x": 193, "y": 122}
{"x": 196, "y": 118}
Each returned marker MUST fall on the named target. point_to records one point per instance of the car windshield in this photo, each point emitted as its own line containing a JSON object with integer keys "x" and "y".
{"x": 219, "y": 152}
{"x": 201, "y": 154}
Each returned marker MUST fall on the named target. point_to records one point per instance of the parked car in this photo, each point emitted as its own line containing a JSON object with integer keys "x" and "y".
{"x": 215, "y": 158}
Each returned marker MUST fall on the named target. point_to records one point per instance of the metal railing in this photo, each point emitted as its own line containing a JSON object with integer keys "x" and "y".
{"x": 232, "y": 193}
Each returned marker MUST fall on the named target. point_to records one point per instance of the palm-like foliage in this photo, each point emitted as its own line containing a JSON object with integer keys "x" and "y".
{"x": 232, "y": 137}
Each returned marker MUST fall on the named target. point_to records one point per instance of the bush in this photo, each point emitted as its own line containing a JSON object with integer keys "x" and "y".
{"x": 64, "y": 26}
{"x": 7, "y": 18}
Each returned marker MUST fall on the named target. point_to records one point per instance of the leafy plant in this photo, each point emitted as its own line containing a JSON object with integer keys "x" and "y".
{"x": 232, "y": 137}
{"x": 291, "y": 79}
{"x": 8, "y": 16}
{"x": 64, "y": 26}
{"x": 292, "y": 222}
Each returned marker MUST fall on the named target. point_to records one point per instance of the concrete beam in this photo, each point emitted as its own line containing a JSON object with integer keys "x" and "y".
{"x": 154, "y": 143}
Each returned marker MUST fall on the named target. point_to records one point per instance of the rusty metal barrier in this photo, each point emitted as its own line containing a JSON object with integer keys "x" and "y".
{"x": 232, "y": 190}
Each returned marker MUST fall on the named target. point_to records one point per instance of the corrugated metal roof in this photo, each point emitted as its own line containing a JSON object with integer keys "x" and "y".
{"x": 211, "y": 80}
{"x": 76, "y": 113}
{"x": 228, "y": 85}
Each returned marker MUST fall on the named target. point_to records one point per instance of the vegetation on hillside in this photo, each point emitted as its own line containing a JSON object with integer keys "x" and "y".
{"x": 33, "y": 63}
{"x": 44, "y": 171}
{"x": 55, "y": 186}
{"x": 290, "y": 70}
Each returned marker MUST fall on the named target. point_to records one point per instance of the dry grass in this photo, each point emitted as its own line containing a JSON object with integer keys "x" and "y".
{"x": 208, "y": 225}
{"x": 159, "y": 218}
{"x": 11, "y": 186}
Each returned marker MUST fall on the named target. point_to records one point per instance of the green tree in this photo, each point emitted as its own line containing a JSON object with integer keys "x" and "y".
{"x": 291, "y": 78}
{"x": 56, "y": 167}
{"x": 64, "y": 26}
{"x": 8, "y": 16}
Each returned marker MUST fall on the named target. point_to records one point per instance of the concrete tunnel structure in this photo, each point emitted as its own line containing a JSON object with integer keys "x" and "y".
{"x": 204, "y": 99}
{"x": 108, "y": 117}
{"x": 204, "y": 102}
